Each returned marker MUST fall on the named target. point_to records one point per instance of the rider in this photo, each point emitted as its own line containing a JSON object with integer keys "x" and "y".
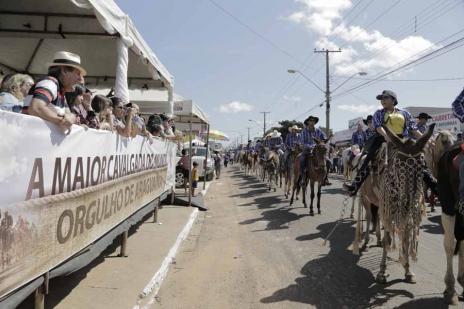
{"x": 422, "y": 123}
{"x": 458, "y": 111}
{"x": 249, "y": 147}
{"x": 398, "y": 121}
{"x": 292, "y": 139}
{"x": 275, "y": 142}
{"x": 359, "y": 136}
{"x": 370, "y": 131}
{"x": 310, "y": 132}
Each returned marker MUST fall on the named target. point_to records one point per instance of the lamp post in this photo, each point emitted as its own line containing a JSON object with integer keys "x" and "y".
{"x": 349, "y": 78}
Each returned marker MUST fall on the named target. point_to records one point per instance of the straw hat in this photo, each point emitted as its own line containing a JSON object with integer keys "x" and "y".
{"x": 64, "y": 58}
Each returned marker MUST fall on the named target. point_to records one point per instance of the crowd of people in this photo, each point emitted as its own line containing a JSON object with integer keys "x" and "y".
{"x": 62, "y": 98}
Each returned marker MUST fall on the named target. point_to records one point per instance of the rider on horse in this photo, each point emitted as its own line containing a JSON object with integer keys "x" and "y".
{"x": 308, "y": 136}
{"x": 275, "y": 142}
{"x": 458, "y": 111}
{"x": 359, "y": 136}
{"x": 398, "y": 121}
{"x": 422, "y": 122}
{"x": 370, "y": 131}
{"x": 292, "y": 140}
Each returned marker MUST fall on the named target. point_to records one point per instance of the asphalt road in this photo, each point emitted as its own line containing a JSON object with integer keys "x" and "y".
{"x": 253, "y": 250}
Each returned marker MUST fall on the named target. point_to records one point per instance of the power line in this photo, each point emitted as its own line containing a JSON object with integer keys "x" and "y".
{"x": 256, "y": 33}
{"x": 407, "y": 80}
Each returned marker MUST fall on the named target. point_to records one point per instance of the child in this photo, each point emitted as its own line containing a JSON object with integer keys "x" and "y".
{"x": 194, "y": 177}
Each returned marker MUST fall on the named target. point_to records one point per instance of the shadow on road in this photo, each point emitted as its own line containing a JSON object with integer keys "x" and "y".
{"x": 434, "y": 302}
{"x": 277, "y": 219}
{"x": 336, "y": 280}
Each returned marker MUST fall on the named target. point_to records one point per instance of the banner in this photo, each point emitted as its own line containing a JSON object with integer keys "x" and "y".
{"x": 59, "y": 193}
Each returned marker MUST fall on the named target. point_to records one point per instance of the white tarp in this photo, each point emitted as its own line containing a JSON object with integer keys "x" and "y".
{"x": 32, "y": 31}
{"x": 59, "y": 193}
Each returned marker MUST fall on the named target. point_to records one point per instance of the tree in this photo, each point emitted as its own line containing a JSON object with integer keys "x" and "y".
{"x": 284, "y": 125}
{"x": 323, "y": 129}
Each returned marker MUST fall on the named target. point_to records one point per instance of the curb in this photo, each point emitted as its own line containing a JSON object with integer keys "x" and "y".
{"x": 155, "y": 283}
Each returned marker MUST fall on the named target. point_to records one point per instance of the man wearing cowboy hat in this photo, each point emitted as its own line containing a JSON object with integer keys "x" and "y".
{"x": 359, "y": 136}
{"x": 422, "y": 122}
{"x": 292, "y": 140}
{"x": 308, "y": 136}
{"x": 400, "y": 122}
{"x": 48, "y": 95}
{"x": 276, "y": 142}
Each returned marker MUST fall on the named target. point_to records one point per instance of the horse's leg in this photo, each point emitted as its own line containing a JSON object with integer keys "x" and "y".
{"x": 381, "y": 276}
{"x": 461, "y": 264}
{"x": 450, "y": 295}
{"x": 376, "y": 220}
{"x": 352, "y": 209}
{"x": 368, "y": 207}
{"x": 319, "y": 186}
{"x": 311, "y": 186}
{"x": 409, "y": 276}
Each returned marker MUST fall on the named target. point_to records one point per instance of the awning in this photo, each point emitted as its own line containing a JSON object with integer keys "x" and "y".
{"x": 98, "y": 30}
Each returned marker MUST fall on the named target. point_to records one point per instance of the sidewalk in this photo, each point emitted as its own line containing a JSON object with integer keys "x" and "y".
{"x": 131, "y": 282}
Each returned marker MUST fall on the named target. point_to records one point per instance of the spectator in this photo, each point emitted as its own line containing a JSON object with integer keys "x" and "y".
{"x": 48, "y": 101}
{"x": 138, "y": 124}
{"x": 167, "y": 126}
{"x": 217, "y": 164}
{"x": 101, "y": 105}
{"x": 80, "y": 105}
{"x": 184, "y": 166}
{"x": 14, "y": 90}
{"x": 195, "y": 177}
{"x": 122, "y": 117}
{"x": 155, "y": 131}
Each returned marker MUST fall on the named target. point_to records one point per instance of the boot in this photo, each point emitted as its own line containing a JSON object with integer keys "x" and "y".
{"x": 357, "y": 183}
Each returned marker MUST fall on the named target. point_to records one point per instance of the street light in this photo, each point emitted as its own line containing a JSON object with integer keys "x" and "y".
{"x": 293, "y": 71}
{"x": 349, "y": 78}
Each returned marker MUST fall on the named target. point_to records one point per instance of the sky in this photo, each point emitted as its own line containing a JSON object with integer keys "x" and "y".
{"x": 232, "y": 57}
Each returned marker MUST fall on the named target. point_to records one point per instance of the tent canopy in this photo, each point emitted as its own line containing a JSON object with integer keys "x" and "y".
{"x": 32, "y": 31}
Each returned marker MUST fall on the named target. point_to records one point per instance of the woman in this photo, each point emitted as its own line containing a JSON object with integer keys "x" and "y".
{"x": 400, "y": 122}
{"x": 122, "y": 117}
{"x": 102, "y": 107}
{"x": 15, "y": 88}
{"x": 80, "y": 105}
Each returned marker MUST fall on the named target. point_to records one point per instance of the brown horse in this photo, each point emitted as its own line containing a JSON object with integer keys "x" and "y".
{"x": 288, "y": 167}
{"x": 271, "y": 166}
{"x": 315, "y": 172}
{"x": 400, "y": 199}
{"x": 247, "y": 161}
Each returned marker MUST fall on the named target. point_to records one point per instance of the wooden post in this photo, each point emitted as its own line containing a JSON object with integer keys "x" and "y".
{"x": 155, "y": 214}
{"x": 190, "y": 162}
{"x": 123, "y": 252}
{"x": 206, "y": 158}
{"x": 173, "y": 195}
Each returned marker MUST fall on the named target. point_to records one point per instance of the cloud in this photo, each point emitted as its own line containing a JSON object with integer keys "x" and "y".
{"x": 235, "y": 107}
{"x": 292, "y": 99}
{"x": 358, "y": 109}
{"x": 363, "y": 50}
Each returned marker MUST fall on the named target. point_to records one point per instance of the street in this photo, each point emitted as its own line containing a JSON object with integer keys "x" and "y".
{"x": 253, "y": 250}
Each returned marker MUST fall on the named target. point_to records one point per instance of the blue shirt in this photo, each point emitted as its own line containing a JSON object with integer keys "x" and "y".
{"x": 307, "y": 137}
{"x": 422, "y": 128}
{"x": 292, "y": 140}
{"x": 409, "y": 122}
{"x": 369, "y": 133}
{"x": 358, "y": 138}
{"x": 458, "y": 106}
{"x": 275, "y": 142}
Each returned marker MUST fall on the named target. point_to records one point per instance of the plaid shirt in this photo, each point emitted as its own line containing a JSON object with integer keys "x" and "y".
{"x": 358, "y": 138}
{"x": 409, "y": 122}
{"x": 369, "y": 132}
{"x": 422, "y": 128}
{"x": 292, "y": 140}
{"x": 307, "y": 137}
{"x": 275, "y": 142}
{"x": 458, "y": 106}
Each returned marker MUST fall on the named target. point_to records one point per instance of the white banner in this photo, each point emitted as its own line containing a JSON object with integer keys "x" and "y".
{"x": 59, "y": 193}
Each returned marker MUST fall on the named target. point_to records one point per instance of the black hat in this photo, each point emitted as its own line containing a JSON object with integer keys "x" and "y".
{"x": 249, "y": 141}
{"x": 164, "y": 117}
{"x": 369, "y": 118}
{"x": 388, "y": 93}
{"x": 424, "y": 116}
{"x": 311, "y": 118}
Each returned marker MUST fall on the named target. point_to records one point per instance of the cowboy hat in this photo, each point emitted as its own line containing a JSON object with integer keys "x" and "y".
{"x": 388, "y": 93}
{"x": 423, "y": 116}
{"x": 64, "y": 58}
{"x": 294, "y": 127}
{"x": 275, "y": 133}
{"x": 369, "y": 118}
{"x": 311, "y": 118}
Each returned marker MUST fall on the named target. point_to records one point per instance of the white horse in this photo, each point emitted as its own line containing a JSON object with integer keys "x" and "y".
{"x": 346, "y": 156}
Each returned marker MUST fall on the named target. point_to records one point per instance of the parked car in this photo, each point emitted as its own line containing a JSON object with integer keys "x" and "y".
{"x": 198, "y": 155}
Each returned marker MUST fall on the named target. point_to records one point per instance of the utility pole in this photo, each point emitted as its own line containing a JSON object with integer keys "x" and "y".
{"x": 248, "y": 128}
{"x": 264, "y": 128}
{"x": 327, "y": 87}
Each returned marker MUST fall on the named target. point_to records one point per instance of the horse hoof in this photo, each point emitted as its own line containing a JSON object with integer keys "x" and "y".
{"x": 275, "y": 189}
{"x": 410, "y": 278}
{"x": 319, "y": 211}
{"x": 297, "y": 198}
{"x": 311, "y": 213}
{"x": 365, "y": 248}
{"x": 451, "y": 298}
{"x": 379, "y": 243}
{"x": 351, "y": 217}
{"x": 381, "y": 278}
{"x": 433, "y": 210}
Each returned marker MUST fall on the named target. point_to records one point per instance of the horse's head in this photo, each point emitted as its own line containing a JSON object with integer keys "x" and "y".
{"x": 320, "y": 152}
{"x": 409, "y": 146}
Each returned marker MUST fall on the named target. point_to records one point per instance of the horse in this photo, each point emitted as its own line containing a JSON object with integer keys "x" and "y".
{"x": 315, "y": 172}
{"x": 347, "y": 155}
{"x": 247, "y": 161}
{"x": 289, "y": 170}
{"x": 452, "y": 221}
{"x": 400, "y": 199}
{"x": 271, "y": 166}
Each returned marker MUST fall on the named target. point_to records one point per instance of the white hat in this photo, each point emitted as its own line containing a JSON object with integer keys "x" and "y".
{"x": 275, "y": 133}
{"x": 64, "y": 58}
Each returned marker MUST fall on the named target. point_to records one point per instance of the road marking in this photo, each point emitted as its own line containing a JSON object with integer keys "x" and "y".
{"x": 155, "y": 283}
